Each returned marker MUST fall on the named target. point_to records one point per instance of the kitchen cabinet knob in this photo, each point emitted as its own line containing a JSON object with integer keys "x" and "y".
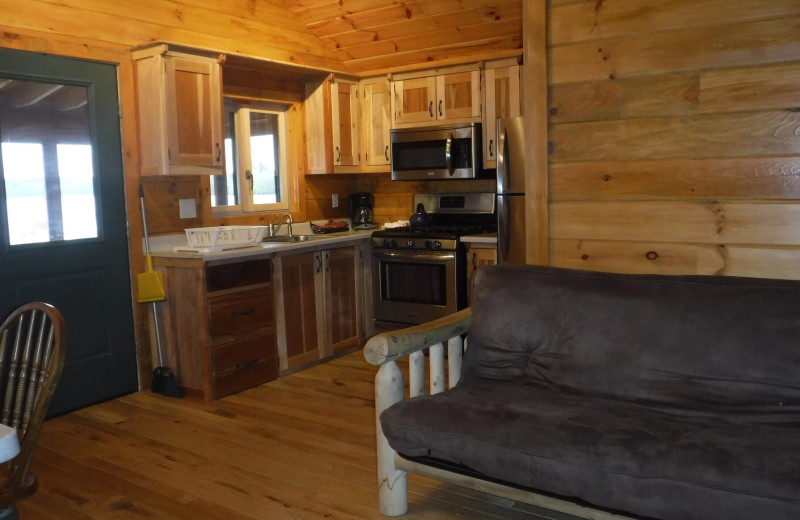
{"x": 327, "y": 262}
{"x": 430, "y": 108}
{"x": 239, "y": 314}
{"x": 474, "y": 260}
{"x": 219, "y": 153}
{"x": 319, "y": 263}
{"x": 440, "y": 108}
{"x": 386, "y": 152}
{"x": 338, "y": 155}
{"x": 491, "y": 150}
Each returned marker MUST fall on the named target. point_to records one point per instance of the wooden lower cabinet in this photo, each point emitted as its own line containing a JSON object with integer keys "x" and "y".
{"x": 478, "y": 256}
{"x": 218, "y": 325}
{"x": 320, "y": 296}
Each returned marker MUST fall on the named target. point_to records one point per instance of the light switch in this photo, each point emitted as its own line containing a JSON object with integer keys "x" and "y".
{"x": 335, "y": 200}
{"x": 188, "y": 208}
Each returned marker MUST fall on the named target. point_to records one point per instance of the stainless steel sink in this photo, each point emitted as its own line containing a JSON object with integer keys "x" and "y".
{"x": 293, "y": 238}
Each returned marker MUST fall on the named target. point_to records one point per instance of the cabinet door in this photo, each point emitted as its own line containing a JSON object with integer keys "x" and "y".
{"x": 477, "y": 257}
{"x": 376, "y": 122}
{"x": 415, "y": 100}
{"x": 501, "y": 93}
{"x": 343, "y": 290}
{"x": 194, "y": 117}
{"x": 301, "y": 307}
{"x": 458, "y": 95}
{"x": 344, "y": 113}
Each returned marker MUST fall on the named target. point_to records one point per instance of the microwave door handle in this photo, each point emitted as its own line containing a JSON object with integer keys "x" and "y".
{"x": 448, "y": 155}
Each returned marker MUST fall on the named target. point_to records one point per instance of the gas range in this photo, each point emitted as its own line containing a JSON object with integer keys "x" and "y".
{"x": 419, "y": 273}
{"x": 451, "y": 217}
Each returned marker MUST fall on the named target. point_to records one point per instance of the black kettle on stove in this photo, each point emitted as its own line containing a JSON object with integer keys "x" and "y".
{"x": 420, "y": 218}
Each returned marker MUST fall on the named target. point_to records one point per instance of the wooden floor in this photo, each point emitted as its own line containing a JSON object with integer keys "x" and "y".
{"x": 301, "y": 447}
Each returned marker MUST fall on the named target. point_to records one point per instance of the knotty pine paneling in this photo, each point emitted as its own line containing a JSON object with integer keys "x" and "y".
{"x": 713, "y": 222}
{"x": 712, "y": 46}
{"x": 675, "y": 136}
{"x": 670, "y": 258}
{"x": 591, "y": 20}
{"x": 710, "y": 135}
{"x": 763, "y": 178}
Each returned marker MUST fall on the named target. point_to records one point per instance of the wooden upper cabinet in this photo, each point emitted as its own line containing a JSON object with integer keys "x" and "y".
{"x": 501, "y": 98}
{"x": 332, "y": 126}
{"x": 180, "y": 112}
{"x": 415, "y": 100}
{"x": 345, "y": 122}
{"x": 440, "y": 97}
{"x": 376, "y": 121}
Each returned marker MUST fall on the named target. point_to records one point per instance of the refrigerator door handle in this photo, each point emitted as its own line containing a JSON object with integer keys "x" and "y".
{"x": 502, "y": 160}
{"x": 503, "y": 228}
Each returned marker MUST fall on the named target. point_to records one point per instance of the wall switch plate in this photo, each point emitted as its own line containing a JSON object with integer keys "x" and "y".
{"x": 335, "y": 200}
{"x": 188, "y": 208}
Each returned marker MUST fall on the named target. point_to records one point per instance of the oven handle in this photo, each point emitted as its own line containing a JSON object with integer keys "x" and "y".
{"x": 422, "y": 257}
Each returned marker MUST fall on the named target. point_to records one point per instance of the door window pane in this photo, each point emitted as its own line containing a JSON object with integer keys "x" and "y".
{"x": 47, "y": 162}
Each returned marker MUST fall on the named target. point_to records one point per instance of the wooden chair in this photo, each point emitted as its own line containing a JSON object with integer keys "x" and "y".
{"x": 31, "y": 359}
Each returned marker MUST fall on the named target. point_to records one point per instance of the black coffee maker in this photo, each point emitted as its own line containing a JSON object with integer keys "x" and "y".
{"x": 361, "y": 210}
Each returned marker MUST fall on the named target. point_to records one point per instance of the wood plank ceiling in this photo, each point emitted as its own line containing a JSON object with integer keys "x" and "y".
{"x": 376, "y": 35}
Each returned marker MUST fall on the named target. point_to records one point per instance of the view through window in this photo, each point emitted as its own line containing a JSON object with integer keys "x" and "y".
{"x": 47, "y": 162}
{"x": 256, "y": 169}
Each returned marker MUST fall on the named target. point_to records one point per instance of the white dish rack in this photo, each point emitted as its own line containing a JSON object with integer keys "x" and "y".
{"x": 220, "y": 238}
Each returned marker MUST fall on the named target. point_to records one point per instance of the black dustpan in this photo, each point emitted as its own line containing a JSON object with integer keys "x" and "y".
{"x": 164, "y": 383}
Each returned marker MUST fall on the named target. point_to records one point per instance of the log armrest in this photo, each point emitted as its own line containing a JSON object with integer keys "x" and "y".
{"x": 393, "y": 345}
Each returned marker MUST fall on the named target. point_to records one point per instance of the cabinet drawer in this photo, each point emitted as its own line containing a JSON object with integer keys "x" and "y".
{"x": 244, "y": 364}
{"x": 238, "y": 274}
{"x": 237, "y": 314}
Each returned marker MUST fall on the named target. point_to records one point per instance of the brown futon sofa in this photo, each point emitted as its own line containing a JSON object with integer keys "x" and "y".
{"x": 667, "y": 397}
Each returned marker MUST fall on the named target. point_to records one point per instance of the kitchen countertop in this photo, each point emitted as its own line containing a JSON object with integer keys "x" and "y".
{"x": 164, "y": 249}
{"x": 485, "y": 238}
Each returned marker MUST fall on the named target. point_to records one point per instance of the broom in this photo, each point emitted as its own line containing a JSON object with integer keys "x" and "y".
{"x": 151, "y": 289}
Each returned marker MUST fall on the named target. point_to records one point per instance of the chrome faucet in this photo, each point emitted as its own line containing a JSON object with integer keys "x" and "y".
{"x": 274, "y": 229}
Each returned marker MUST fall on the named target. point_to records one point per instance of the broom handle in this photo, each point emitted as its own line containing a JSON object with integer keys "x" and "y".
{"x": 147, "y": 252}
{"x": 144, "y": 221}
{"x": 158, "y": 335}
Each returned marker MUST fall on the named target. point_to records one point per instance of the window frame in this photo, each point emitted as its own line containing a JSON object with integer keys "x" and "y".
{"x": 242, "y": 160}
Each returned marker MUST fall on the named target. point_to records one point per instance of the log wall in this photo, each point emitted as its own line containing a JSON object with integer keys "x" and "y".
{"x": 674, "y": 132}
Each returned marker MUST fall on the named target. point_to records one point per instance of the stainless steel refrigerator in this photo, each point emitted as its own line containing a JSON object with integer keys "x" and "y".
{"x": 511, "y": 191}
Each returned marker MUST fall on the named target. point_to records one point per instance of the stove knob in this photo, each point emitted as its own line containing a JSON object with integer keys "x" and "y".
{"x": 437, "y": 245}
{"x": 410, "y": 243}
{"x": 429, "y": 244}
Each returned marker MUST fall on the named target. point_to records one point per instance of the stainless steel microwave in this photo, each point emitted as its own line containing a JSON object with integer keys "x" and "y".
{"x": 437, "y": 153}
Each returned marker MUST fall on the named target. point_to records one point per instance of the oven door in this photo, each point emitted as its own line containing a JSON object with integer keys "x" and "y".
{"x": 413, "y": 287}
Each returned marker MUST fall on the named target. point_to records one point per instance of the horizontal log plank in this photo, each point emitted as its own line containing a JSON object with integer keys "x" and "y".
{"x": 716, "y": 46}
{"x": 679, "y": 222}
{"x": 769, "y": 178}
{"x": 581, "y": 21}
{"x": 649, "y": 96}
{"x": 718, "y": 135}
{"x": 753, "y": 88}
{"x": 672, "y": 259}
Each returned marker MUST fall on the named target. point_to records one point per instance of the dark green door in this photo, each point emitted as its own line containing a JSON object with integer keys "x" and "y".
{"x": 63, "y": 235}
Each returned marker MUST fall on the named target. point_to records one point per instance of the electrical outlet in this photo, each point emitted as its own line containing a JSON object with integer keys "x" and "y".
{"x": 187, "y": 208}
{"x": 335, "y": 200}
